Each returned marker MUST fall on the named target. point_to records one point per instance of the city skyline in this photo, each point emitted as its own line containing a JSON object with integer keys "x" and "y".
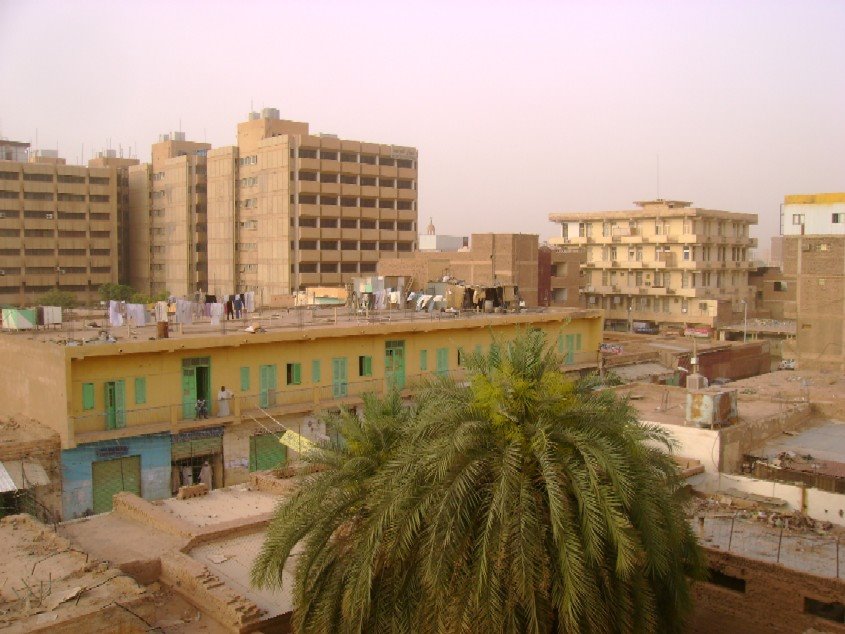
{"x": 516, "y": 112}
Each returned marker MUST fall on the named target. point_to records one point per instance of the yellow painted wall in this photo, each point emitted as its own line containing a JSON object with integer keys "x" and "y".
{"x": 160, "y": 362}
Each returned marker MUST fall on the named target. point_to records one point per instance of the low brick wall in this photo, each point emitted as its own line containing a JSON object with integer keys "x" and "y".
{"x": 772, "y": 601}
{"x": 132, "y": 507}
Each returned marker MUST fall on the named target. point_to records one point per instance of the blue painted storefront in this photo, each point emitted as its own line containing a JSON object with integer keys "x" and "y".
{"x": 77, "y": 491}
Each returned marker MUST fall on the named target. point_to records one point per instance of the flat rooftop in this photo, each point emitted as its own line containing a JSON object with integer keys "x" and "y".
{"x": 667, "y": 404}
{"x": 91, "y": 328}
{"x": 818, "y": 449}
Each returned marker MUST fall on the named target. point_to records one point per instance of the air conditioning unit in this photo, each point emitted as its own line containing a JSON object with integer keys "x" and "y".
{"x": 2, "y": 215}
{"x": 2, "y": 272}
{"x": 48, "y": 216}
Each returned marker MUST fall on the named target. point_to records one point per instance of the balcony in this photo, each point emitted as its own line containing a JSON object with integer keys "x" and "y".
{"x": 330, "y": 188}
{"x": 309, "y": 187}
{"x": 309, "y": 233}
{"x": 308, "y": 164}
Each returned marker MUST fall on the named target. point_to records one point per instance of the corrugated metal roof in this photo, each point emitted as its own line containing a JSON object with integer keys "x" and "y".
{"x": 25, "y": 475}
{"x": 6, "y": 482}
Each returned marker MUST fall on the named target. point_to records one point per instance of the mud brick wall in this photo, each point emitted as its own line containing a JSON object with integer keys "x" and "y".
{"x": 772, "y": 602}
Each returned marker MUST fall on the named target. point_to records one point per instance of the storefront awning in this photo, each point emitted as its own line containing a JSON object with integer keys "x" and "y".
{"x": 16, "y": 475}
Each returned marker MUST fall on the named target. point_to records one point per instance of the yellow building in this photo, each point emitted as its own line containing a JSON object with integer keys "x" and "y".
{"x": 664, "y": 264}
{"x": 288, "y": 209}
{"x": 128, "y": 415}
{"x": 167, "y": 216}
{"x": 58, "y": 229}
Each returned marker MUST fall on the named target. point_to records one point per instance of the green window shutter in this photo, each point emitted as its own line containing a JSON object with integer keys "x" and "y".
{"x": 442, "y": 361}
{"x": 578, "y": 341}
{"x": 244, "y": 379}
{"x": 368, "y": 366}
{"x": 297, "y": 373}
{"x": 560, "y": 344}
{"x": 140, "y": 390}
{"x": 87, "y": 396}
{"x": 315, "y": 371}
{"x": 423, "y": 360}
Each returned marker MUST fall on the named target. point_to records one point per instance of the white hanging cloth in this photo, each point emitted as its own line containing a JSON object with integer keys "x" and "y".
{"x": 115, "y": 318}
{"x": 161, "y": 312}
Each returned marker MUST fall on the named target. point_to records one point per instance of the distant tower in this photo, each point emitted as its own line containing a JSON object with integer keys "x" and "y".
{"x": 430, "y": 229}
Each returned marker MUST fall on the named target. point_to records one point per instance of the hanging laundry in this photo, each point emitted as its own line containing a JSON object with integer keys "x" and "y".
{"x": 184, "y": 311}
{"x": 249, "y": 301}
{"x": 136, "y": 314}
{"x": 216, "y": 313}
{"x": 52, "y": 315}
{"x": 161, "y": 312}
{"x": 115, "y": 318}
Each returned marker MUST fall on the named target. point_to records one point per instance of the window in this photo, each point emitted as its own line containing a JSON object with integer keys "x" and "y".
{"x": 798, "y": 219}
{"x": 836, "y": 218}
{"x": 294, "y": 373}
{"x": 327, "y": 177}
{"x": 348, "y": 157}
{"x": 40, "y": 178}
{"x": 87, "y": 396}
{"x": 367, "y": 223}
{"x": 307, "y": 176}
{"x": 328, "y": 155}
{"x": 460, "y": 357}
{"x": 349, "y": 223}
{"x": 368, "y": 181}
{"x": 348, "y": 179}
{"x": 103, "y": 198}
{"x": 140, "y": 390}
{"x": 244, "y": 379}
{"x": 386, "y": 225}
{"x": 442, "y": 361}
{"x": 833, "y": 611}
{"x": 98, "y": 180}
{"x": 315, "y": 371}
{"x": 306, "y": 153}
{"x": 780, "y": 286}
{"x": 687, "y": 253}
{"x": 730, "y": 582}
{"x": 423, "y": 360}
{"x": 365, "y": 366}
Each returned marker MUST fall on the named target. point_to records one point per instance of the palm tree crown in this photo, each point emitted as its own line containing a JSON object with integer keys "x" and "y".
{"x": 511, "y": 501}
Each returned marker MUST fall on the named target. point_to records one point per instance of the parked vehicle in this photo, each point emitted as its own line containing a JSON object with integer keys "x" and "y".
{"x": 786, "y": 364}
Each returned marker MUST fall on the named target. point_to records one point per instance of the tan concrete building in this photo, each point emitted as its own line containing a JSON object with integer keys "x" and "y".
{"x": 288, "y": 209}
{"x": 58, "y": 229}
{"x": 493, "y": 258}
{"x": 666, "y": 264}
{"x": 167, "y": 217}
{"x": 109, "y": 158}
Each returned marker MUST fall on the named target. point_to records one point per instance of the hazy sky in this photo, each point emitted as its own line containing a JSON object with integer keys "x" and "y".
{"x": 518, "y": 109}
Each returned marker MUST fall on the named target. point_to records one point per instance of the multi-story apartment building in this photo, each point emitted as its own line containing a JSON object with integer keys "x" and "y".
{"x": 288, "y": 209}
{"x": 109, "y": 158}
{"x": 167, "y": 216}
{"x": 127, "y": 412}
{"x": 58, "y": 229}
{"x": 811, "y": 287}
{"x": 666, "y": 264}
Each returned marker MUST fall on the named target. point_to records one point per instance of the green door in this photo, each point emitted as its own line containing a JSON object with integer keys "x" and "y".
{"x": 266, "y": 452}
{"x": 394, "y": 364}
{"x": 340, "y": 382}
{"x": 570, "y": 348}
{"x": 267, "y": 384}
{"x": 189, "y": 393}
{"x": 113, "y": 476}
{"x": 115, "y": 400}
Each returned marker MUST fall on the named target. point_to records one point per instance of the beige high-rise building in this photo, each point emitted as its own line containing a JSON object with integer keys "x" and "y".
{"x": 58, "y": 229}
{"x": 288, "y": 209}
{"x": 666, "y": 264}
{"x": 167, "y": 218}
{"x": 109, "y": 158}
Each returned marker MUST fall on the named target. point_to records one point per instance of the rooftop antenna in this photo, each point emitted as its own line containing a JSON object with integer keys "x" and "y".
{"x": 180, "y": 124}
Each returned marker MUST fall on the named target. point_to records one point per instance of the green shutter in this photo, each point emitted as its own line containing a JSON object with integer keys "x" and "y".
{"x": 244, "y": 379}
{"x": 423, "y": 360}
{"x": 368, "y": 366}
{"x": 140, "y": 390}
{"x": 578, "y": 341}
{"x": 87, "y": 396}
{"x": 442, "y": 361}
{"x": 315, "y": 371}
{"x": 560, "y": 344}
{"x": 297, "y": 373}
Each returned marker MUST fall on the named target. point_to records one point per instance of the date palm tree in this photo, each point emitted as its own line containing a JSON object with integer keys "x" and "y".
{"x": 512, "y": 500}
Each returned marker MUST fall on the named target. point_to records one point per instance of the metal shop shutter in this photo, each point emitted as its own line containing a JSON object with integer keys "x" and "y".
{"x": 266, "y": 452}
{"x": 198, "y": 447}
{"x": 113, "y": 476}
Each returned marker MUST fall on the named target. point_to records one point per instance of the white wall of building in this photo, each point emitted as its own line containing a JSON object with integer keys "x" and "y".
{"x": 816, "y": 219}
{"x": 441, "y": 242}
